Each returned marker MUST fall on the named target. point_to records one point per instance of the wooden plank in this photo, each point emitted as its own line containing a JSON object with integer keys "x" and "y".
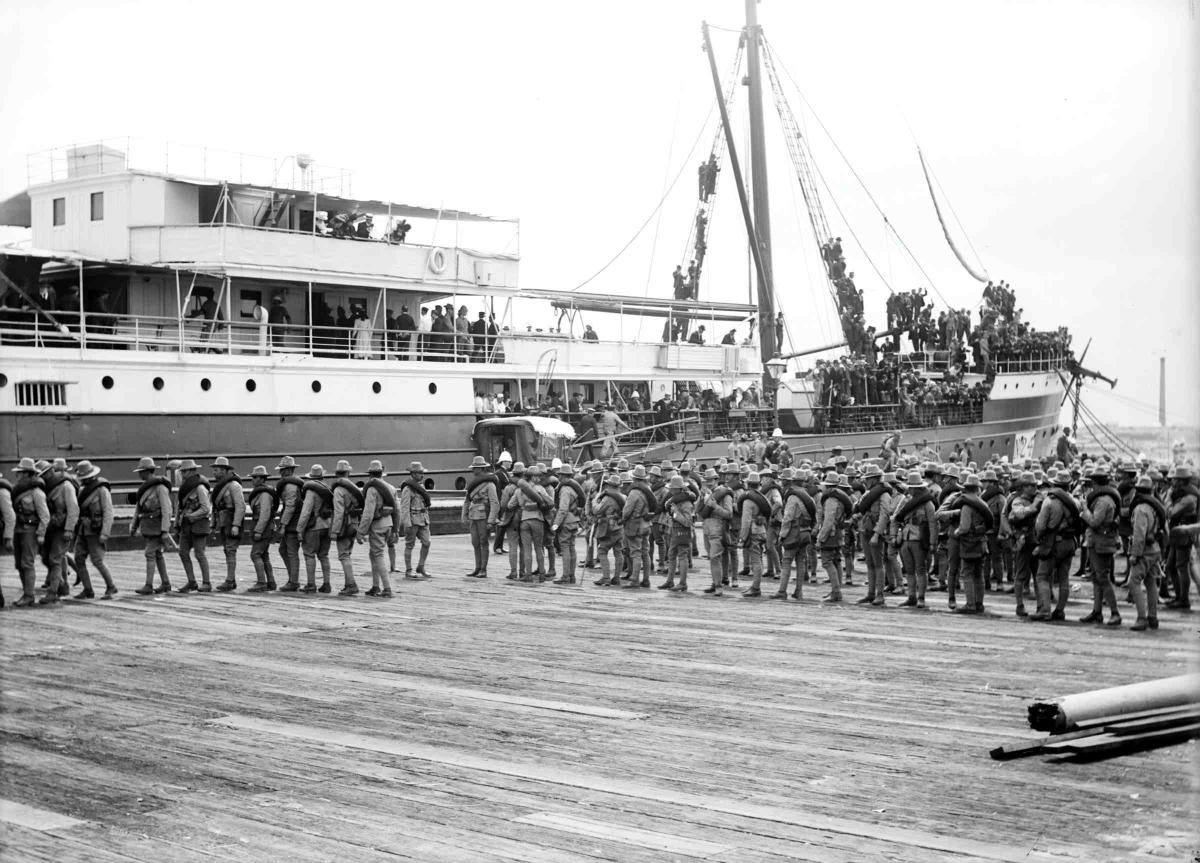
{"x": 33, "y": 818}
{"x": 670, "y": 843}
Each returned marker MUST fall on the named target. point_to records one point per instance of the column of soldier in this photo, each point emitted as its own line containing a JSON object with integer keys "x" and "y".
{"x": 920, "y": 527}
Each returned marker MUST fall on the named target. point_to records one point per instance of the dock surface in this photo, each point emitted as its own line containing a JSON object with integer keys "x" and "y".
{"x": 470, "y": 720}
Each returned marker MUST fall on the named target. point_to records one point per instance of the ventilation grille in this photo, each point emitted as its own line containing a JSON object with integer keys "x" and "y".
{"x": 35, "y": 394}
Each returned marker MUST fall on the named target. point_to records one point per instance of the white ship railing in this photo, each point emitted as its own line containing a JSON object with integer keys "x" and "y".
{"x": 100, "y": 331}
{"x": 118, "y": 155}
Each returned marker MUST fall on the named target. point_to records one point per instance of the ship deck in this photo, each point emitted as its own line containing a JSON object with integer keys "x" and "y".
{"x": 468, "y": 721}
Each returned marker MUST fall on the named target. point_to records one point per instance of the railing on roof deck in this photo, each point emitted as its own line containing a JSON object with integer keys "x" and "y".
{"x": 882, "y": 418}
{"x": 118, "y": 155}
{"x": 937, "y": 362}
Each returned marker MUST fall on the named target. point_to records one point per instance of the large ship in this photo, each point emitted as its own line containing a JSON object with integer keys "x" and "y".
{"x": 200, "y": 304}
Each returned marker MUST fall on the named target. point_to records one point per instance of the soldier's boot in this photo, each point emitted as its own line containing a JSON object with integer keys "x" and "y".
{"x": 968, "y": 587}
{"x": 391, "y": 558}
{"x": 635, "y": 568}
{"x": 407, "y": 562}
{"x": 202, "y": 560}
{"x": 326, "y": 575}
{"x": 231, "y": 570}
{"x": 348, "y": 576}
{"x": 421, "y": 561}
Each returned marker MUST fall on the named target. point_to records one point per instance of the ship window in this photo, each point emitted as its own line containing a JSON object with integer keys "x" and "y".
{"x": 38, "y": 394}
{"x": 460, "y": 484}
{"x": 376, "y": 388}
{"x": 992, "y": 442}
{"x": 97, "y": 206}
{"x": 158, "y": 383}
{"x": 106, "y": 382}
{"x": 205, "y": 384}
{"x": 3, "y": 380}
{"x": 251, "y": 386}
{"x": 433, "y": 389}
{"x": 428, "y": 484}
{"x": 59, "y": 206}
{"x": 316, "y": 386}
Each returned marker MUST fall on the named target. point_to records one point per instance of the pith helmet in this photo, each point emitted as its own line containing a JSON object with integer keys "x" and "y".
{"x": 504, "y": 457}
{"x": 26, "y": 464}
{"x": 259, "y": 470}
{"x": 343, "y": 466}
{"x": 479, "y": 462}
{"x": 416, "y": 467}
{"x": 86, "y": 470}
{"x": 316, "y": 472}
{"x": 285, "y": 462}
{"x": 375, "y": 468}
{"x": 144, "y": 463}
{"x": 677, "y": 483}
{"x": 174, "y": 464}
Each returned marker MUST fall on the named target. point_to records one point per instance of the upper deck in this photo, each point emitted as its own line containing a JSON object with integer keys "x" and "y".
{"x": 253, "y": 217}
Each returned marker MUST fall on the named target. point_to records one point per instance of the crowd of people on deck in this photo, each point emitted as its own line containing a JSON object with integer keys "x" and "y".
{"x": 358, "y": 226}
{"x": 919, "y": 525}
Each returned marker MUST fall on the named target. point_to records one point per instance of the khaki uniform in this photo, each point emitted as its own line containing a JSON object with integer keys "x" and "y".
{"x": 93, "y": 531}
{"x": 229, "y": 510}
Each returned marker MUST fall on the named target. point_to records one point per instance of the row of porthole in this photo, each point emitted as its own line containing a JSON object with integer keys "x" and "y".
{"x": 1034, "y": 384}
{"x": 251, "y": 385}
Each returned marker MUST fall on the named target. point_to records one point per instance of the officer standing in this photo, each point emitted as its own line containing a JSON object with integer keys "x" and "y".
{"x": 504, "y": 468}
{"x": 912, "y": 527}
{"x": 229, "y": 509}
{"x": 347, "y": 509}
{"x": 480, "y": 509}
{"x": 592, "y": 486}
{"x": 1184, "y": 512}
{"x": 1149, "y": 519}
{"x": 947, "y": 548}
{"x": 1100, "y": 512}
{"x": 289, "y": 496}
{"x": 193, "y": 524}
{"x": 32, "y": 517}
{"x": 63, "y": 503}
{"x": 635, "y": 516}
{"x": 316, "y": 514}
{"x": 414, "y": 519}
{"x": 733, "y": 482}
{"x": 568, "y": 511}
{"x": 94, "y": 529}
{"x": 380, "y": 521}
{"x": 510, "y": 521}
{"x": 262, "y": 504}
{"x": 152, "y": 518}
{"x": 994, "y": 561}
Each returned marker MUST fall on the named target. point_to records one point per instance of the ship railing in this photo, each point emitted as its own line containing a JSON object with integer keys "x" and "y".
{"x": 888, "y": 417}
{"x": 1036, "y": 361}
{"x": 103, "y": 331}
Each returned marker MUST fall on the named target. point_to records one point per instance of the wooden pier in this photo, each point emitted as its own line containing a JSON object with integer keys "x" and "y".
{"x": 470, "y": 720}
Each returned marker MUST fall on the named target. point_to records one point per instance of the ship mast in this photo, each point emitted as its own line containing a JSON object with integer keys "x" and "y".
{"x": 758, "y": 184}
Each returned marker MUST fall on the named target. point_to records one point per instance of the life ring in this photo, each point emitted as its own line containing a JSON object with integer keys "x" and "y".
{"x": 437, "y": 261}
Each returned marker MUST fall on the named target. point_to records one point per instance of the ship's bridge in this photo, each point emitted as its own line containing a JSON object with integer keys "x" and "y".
{"x": 100, "y": 202}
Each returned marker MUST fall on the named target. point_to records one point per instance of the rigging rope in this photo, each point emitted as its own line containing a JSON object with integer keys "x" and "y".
{"x": 1084, "y": 409}
{"x": 962, "y": 228}
{"x": 941, "y": 221}
{"x": 686, "y": 161}
{"x": 871, "y": 197}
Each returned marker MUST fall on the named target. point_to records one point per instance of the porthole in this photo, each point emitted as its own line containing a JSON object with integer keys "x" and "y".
{"x": 1006, "y": 386}
{"x": 251, "y": 386}
{"x": 1016, "y": 386}
{"x": 460, "y": 484}
{"x": 158, "y": 383}
{"x": 992, "y": 443}
{"x": 376, "y": 388}
{"x": 316, "y": 386}
{"x": 3, "y": 380}
{"x": 428, "y": 480}
{"x": 106, "y": 382}
{"x": 432, "y": 389}
{"x": 1008, "y": 440}
{"x": 205, "y": 384}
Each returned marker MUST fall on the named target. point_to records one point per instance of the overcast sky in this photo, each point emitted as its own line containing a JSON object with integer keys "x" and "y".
{"x": 1064, "y": 135}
